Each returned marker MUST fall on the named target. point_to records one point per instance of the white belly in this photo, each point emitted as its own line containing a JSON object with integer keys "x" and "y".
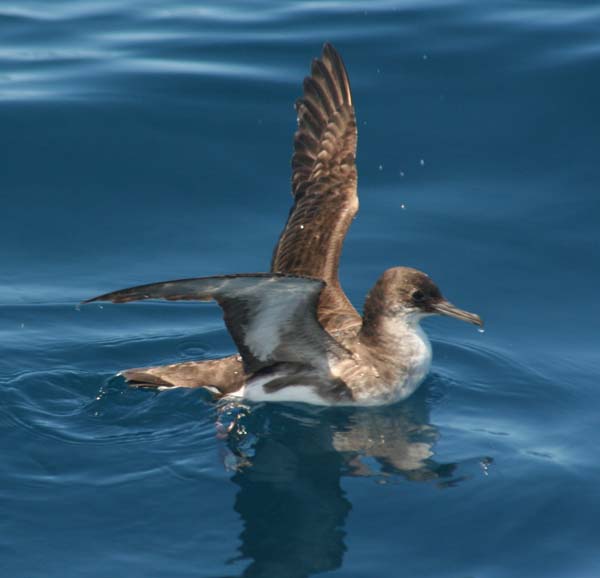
{"x": 255, "y": 391}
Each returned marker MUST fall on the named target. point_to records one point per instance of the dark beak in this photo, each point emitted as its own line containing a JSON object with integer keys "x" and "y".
{"x": 446, "y": 308}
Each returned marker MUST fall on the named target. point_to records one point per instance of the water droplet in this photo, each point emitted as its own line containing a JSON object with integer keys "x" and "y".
{"x": 380, "y": 167}
{"x": 78, "y": 307}
{"x": 422, "y": 162}
{"x": 401, "y": 173}
{"x": 481, "y": 330}
{"x": 403, "y": 206}
{"x": 425, "y": 56}
{"x": 22, "y": 325}
{"x": 485, "y": 466}
{"x": 302, "y": 226}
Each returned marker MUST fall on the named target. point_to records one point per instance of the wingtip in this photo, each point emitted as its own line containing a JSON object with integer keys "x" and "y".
{"x": 94, "y": 299}
{"x": 328, "y": 47}
{"x": 112, "y": 297}
{"x": 332, "y": 60}
{"x": 330, "y": 53}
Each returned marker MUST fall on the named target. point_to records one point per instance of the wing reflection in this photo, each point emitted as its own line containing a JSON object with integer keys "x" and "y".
{"x": 289, "y": 462}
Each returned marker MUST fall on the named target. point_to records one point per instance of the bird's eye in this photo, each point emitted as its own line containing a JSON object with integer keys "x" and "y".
{"x": 418, "y": 296}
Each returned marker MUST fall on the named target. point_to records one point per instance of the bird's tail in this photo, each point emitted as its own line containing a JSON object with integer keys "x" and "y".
{"x": 223, "y": 376}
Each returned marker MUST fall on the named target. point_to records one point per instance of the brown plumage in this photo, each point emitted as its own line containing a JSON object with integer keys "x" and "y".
{"x": 324, "y": 189}
{"x": 286, "y": 352}
{"x": 324, "y": 184}
{"x": 294, "y": 328}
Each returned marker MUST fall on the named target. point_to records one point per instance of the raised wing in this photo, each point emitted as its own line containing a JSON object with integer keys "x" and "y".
{"x": 272, "y": 318}
{"x": 323, "y": 186}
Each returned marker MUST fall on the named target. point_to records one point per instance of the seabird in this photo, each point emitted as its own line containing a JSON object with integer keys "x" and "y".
{"x": 298, "y": 336}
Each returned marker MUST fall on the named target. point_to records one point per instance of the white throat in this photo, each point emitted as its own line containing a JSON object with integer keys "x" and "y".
{"x": 411, "y": 346}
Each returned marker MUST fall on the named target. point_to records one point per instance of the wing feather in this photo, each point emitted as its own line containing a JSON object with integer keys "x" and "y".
{"x": 324, "y": 182}
{"x": 272, "y": 318}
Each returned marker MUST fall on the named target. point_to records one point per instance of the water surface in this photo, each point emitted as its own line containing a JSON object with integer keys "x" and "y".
{"x": 144, "y": 141}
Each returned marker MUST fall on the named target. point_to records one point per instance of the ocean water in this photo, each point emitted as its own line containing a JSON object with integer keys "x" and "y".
{"x": 149, "y": 140}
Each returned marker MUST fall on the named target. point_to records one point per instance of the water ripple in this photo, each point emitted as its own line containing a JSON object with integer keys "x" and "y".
{"x": 80, "y": 50}
{"x": 149, "y": 140}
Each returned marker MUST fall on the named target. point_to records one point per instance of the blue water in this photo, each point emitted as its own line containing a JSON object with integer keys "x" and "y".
{"x": 148, "y": 140}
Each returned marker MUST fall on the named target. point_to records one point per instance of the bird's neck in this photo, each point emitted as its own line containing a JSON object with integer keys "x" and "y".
{"x": 385, "y": 325}
{"x": 392, "y": 339}
{"x": 389, "y": 330}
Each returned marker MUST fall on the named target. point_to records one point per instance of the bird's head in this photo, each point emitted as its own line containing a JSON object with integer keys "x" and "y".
{"x": 403, "y": 291}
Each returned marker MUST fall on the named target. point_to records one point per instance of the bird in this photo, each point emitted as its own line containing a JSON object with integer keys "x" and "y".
{"x": 298, "y": 336}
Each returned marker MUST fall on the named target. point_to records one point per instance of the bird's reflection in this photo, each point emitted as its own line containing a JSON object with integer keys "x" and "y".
{"x": 289, "y": 462}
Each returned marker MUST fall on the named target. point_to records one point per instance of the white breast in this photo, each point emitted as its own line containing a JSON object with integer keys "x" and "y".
{"x": 414, "y": 349}
{"x": 419, "y": 362}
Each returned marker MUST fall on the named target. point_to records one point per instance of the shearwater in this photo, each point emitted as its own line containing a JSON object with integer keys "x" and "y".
{"x": 298, "y": 336}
